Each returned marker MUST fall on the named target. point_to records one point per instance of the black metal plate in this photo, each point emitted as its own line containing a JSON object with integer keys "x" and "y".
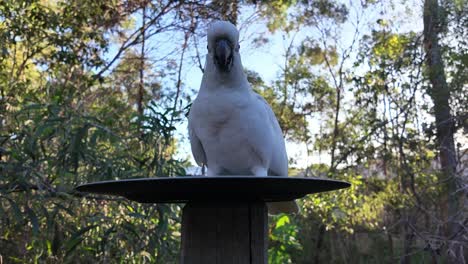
{"x": 220, "y": 188}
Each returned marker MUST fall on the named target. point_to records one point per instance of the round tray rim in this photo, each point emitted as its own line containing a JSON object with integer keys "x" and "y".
{"x": 182, "y": 189}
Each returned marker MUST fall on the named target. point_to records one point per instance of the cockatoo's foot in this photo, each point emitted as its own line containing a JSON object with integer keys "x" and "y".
{"x": 259, "y": 171}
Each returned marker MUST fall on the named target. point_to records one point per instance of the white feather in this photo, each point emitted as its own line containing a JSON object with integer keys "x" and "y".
{"x": 232, "y": 129}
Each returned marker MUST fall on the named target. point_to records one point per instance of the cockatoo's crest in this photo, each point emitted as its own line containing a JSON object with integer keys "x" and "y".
{"x": 223, "y": 65}
{"x": 222, "y": 29}
{"x": 223, "y": 46}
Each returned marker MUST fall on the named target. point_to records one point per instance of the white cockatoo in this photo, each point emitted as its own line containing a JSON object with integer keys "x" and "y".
{"x": 232, "y": 129}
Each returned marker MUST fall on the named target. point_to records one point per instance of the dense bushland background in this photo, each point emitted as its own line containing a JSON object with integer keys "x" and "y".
{"x": 373, "y": 92}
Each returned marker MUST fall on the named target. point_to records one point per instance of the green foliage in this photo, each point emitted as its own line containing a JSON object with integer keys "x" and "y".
{"x": 279, "y": 16}
{"x": 69, "y": 114}
{"x": 62, "y": 126}
{"x": 283, "y": 240}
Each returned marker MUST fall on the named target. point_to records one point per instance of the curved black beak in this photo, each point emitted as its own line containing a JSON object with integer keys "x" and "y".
{"x": 223, "y": 54}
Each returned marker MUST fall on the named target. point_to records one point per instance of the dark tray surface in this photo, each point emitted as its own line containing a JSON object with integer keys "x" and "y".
{"x": 220, "y": 188}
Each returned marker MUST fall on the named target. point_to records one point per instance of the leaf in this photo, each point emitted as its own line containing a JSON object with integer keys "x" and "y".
{"x": 16, "y": 210}
{"x": 283, "y": 220}
{"x": 49, "y": 247}
{"x": 34, "y": 220}
{"x": 146, "y": 255}
{"x": 76, "y": 239}
{"x": 131, "y": 228}
{"x": 63, "y": 208}
{"x": 106, "y": 236}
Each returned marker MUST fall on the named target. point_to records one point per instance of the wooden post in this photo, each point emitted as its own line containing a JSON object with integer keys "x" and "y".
{"x": 227, "y": 233}
{"x": 234, "y": 232}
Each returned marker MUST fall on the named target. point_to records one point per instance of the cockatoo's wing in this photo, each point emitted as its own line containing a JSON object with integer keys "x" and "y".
{"x": 197, "y": 147}
{"x": 271, "y": 114}
{"x": 279, "y": 163}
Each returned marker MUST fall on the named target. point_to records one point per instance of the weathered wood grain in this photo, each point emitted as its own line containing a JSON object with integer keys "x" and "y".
{"x": 227, "y": 233}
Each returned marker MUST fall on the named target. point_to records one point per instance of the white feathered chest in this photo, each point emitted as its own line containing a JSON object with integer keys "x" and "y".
{"x": 216, "y": 110}
{"x": 233, "y": 129}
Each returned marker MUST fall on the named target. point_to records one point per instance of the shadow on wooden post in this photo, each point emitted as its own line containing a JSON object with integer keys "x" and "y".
{"x": 228, "y": 232}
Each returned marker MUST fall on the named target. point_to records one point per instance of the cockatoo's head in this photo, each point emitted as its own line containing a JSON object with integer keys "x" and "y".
{"x": 223, "y": 43}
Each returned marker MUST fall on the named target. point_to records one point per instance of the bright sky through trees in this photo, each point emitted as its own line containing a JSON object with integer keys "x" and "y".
{"x": 373, "y": 92}
{"x": 268, "y": 59}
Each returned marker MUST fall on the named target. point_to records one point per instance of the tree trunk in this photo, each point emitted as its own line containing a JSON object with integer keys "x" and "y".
{"x": 390, "y": 244}
{"x": 408, "y": 239}
{"x": 440, "y": 94}
{"x": 318, "y": 247}
{"x": 141, "y": 85}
